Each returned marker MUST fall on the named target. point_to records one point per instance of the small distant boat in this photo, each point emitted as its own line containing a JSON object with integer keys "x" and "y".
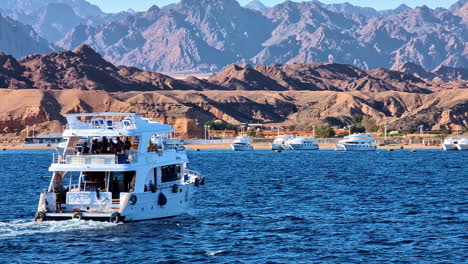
{"x": 279, "y": 142}
{"x": 450, "y": 143}
{"x": 242, "y": 144}
{"x": 300, "y": 143}
{"x": 356, "y": 142}
{"x": 462, "y": 144}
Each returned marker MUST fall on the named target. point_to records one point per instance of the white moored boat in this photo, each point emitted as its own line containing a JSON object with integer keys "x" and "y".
{"x": 356, "y": 142}
{"x": 462, "y": 144}
{"x": 242, "y": 144}
{"x": 450, "y": 143}
{"x": 279, "y": 142}
{"x": 117, "y": 167}
{"x": 300, "y": 143}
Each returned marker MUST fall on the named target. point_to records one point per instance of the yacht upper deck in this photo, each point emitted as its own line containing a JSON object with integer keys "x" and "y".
{"x": 111, "y": 124}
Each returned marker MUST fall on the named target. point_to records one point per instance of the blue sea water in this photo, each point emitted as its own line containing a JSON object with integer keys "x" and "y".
{"x": 263, "y": 207}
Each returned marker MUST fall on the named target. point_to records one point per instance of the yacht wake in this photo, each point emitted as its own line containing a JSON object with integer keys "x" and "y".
{"x": 27, "y": 227}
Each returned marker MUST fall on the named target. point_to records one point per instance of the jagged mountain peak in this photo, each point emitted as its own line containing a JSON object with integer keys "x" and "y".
{"x": 206, "y": 35}
{"x": 256, "y": 5}
{"x": 457, "y": 5}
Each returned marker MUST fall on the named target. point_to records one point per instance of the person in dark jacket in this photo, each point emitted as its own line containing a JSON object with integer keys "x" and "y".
{"x": 104, "y": 145}
{"x": 85, "y": 148}
{"x": 119, "y": 145}
{"x": 96, "y": 148}
{"x": 127, "y": 144}
{"x": 112, "y": 146}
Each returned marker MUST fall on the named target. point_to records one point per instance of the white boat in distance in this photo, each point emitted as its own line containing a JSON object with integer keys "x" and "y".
{"x": 462, "y": 144}
{"x": 113, "y": 169}
{"x": 242, "y": 144}
{"x": 301, "y": 143}
{"x": 450, "y": 143}
{"x": 279, "y": 142}
{"x": 356, "y": 142}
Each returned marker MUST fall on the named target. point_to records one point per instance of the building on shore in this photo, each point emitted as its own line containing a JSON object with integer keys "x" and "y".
{"x": 51, "y": 140}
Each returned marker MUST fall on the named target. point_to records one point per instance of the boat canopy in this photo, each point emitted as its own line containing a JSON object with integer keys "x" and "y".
{"x": 112, "y": 124}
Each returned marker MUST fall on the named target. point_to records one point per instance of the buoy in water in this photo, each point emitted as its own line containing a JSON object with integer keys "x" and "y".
{"x": 413, "y": 150}
{"x": 278, "y": 150}
{"x": 197, "y": 149}
{"x": 390, "y": 149}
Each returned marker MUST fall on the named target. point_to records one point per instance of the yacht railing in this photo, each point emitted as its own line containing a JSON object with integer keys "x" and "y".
{"x": 193, "y": 173}
{"x": 90, "y": 125}
{"x": 104, "y": 159}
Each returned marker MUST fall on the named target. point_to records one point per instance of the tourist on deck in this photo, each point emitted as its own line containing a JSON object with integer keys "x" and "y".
{"x": 104, "y": 145}
{"x": 96, "y": 148}
{"x": 127, "y": 144}
{"x": 85, "y": 148}
{"x": 119, "y": 146}
{"x": 111, "y": 148}
{"x": 60, "y": 195}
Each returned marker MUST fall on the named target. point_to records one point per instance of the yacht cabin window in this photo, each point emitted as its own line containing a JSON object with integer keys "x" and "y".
{"x": 170, "y": 173}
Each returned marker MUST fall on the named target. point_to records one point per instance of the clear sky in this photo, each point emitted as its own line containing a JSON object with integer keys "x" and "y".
{"x": 139, "y": 5}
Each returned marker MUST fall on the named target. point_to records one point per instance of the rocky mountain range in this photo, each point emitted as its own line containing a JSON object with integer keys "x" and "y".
{"x": 19, "y": 39}
{"x": 53, "y": 19}
{"x": 37, "y": 89}
{"x": 207, "y": 35}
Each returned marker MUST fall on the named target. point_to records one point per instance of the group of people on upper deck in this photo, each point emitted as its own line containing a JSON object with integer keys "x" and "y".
{"x": 107, "y": 146}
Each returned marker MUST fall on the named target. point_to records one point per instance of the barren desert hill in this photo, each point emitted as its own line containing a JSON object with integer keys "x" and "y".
{"x": 38, "y": 89}
{"x": 188, "y": 110}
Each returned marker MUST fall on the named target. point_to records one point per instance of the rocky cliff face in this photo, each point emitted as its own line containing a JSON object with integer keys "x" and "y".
{"x": 207, "y": 35}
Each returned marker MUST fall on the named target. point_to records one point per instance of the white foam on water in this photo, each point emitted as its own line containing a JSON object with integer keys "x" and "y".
{"x": 28, "y": 227}
{"x": 212, "y": 253}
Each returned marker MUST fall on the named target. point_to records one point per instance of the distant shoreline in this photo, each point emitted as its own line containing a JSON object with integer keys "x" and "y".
{"x": 255, "y": 145}
{"x": 322, "y": 146}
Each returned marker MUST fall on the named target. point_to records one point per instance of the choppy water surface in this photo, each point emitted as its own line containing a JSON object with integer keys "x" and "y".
{"x": 263, "y": 207}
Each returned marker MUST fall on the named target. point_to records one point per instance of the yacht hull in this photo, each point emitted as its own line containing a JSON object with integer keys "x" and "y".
{"x": 339, "y": 147}
{"x": 449, "y": 146}
{"x": 147, "y": 207}
{"x": 349, "y": 147}
{"x": 276, "y": 146}
{"x": 238, "y": 147}
{"x": 304, "y": 147}
{"x": 462, "y": 146}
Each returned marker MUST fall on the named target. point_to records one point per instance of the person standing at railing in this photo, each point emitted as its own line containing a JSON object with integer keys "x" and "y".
{"x": 127, "y": 144}
{"x": 85, "y": 148}
{"x": 96, "y": 148}
{"x": 112, "y": 146}
{"x": 119, "y": 146}
{"x": 104, "y": 145}
{"x": 60, "y": 196}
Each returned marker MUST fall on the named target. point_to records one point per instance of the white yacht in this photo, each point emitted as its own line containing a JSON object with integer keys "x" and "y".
{"x": 356, "y": 142}
{"x": 111, "y": 170}
{"x": 242, "y": 144}
{"x": 279, "y": 142}
{"x": 450, "y": 143}
{"x": 300, "y": 143}
{"x": 462, "y": 144}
